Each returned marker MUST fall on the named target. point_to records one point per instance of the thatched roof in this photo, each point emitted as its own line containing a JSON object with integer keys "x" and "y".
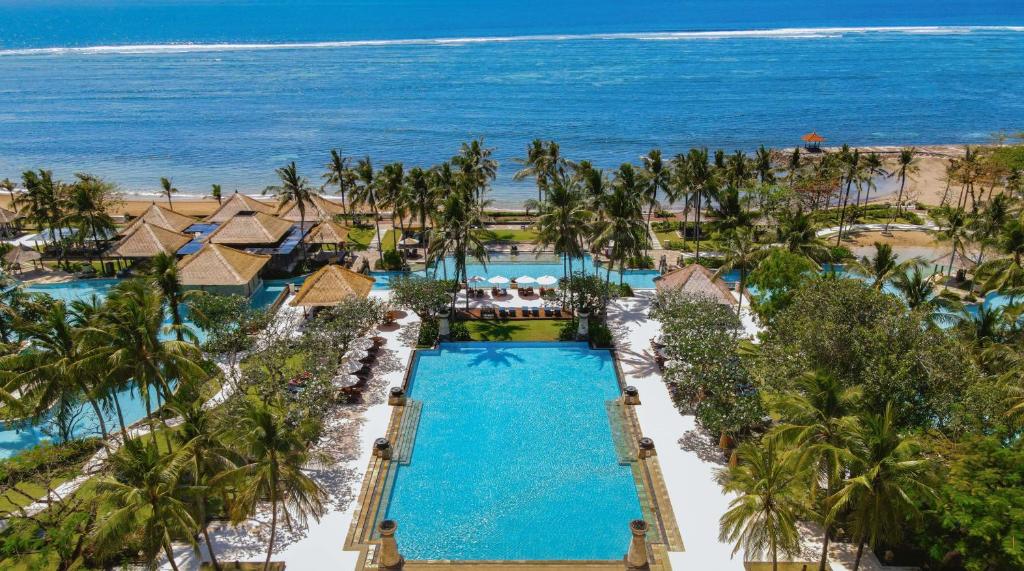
{"x": 148, "y": 240}
{"x": 250, "y": 228}
{"x": 328, "y": 232}
{"x": 20, "y": 254}
{"x": 239, "y": 203}
{"x": 697, "y": 279}
{"x": 318, "y": 209}
{"x": 159, "y": 216}
{"x": 330, "y": 285}
{"x": 8, "y": 216}
{"x": 220, "y": 265}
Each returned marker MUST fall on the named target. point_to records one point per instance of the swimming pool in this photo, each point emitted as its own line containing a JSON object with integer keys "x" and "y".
{"x": 530, "y": 264}
{"x": 514, "y": 456}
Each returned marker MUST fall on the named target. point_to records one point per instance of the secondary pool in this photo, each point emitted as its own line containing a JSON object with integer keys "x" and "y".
{"x": 514, "y": 456}
{"x": 530, "y": 264}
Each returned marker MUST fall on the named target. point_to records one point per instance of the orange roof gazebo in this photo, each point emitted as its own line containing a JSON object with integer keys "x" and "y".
{"x": 813, "y": 139}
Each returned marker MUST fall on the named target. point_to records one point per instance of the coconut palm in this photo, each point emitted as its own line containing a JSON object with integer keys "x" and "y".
{"x": 886, "y": 472}
{"x": 366, "y": 193}
{"x": 202, "y": 441}
{"x": 536, "y": 165}
{"x": 563, "y": 221}
{"x": 793, "y": 165}
{"x": 852, "y": 172}
{"x": 883, "y": 267}
{"x": 621, "y": 230}
{"x": 422, "y": 198}
{"x": 339, "y": 173}
{"x": 906, "y": 167}
{"x": 764, "y": 165}
{"x": 797, "y": 234}
{"x": 699, "y": 180}
{"x": 657, "y": 176}
{"x": 276, "y": 453}
{"x": 458, "y": 233}
{"x": 818, "y": 419}
{"x": 8, "y": 185}
{"x": 85, "y": 210}
{"x": 968, "y": 170}
{"x": 292, "y": 189}
{"x": 1005, "y": 274}
{"x": 954, "y": 229}
{"x": 215, "y": 193}
{"x": 476, "y": 164}
{"x": 873, "y": 168}
{"x": 761, "y": 519}
{"x": 741, "y": 252}
{"x": 390, "y": 183}
{"x": 165, "y": 279}
{"x": 144, "y": 493}
{"x": 41, "y": 203}
{"x": 167, "y": 189}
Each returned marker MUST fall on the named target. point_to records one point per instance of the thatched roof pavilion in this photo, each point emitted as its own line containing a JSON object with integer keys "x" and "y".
{"x": 21, "y": 254}
{"x": 8, "y": 217}
{"x": 159, "y": 216}
{"x": 696, "y": 279}
{"x": 148, "y": 240}
{"x": 330, "y": 285}
{"x": 222, "y": 269}
{"x": 238, "y": 203}
{"x": 328, "y": 232}
{"x": 318, "y": 209}
{"x": 250, "y": 228}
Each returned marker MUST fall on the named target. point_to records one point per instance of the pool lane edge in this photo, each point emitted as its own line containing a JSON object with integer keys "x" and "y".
{"x": 651, "y": 490}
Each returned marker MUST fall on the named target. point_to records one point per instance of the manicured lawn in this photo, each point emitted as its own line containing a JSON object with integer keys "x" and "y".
{"x": 12, "y": 500}
{"x": 361, "y": 236}
{"x": 526, "y": 330}
{"x": 513, "y": 235}
{"x": 388, "y": 239}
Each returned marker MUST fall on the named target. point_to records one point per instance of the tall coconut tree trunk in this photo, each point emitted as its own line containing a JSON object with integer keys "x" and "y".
{"x": 842, "y": 212}
{"x": 860, "y": 552}
{"x": 96, "y": 408}
{"x": 120, "y": 418}
{"x": 273, "y": 526}
{"x": 380, "y": 244}
{"x": 696, "y": 236}
{"x": 170, "y": 552}
{"x": 823, "y": 562}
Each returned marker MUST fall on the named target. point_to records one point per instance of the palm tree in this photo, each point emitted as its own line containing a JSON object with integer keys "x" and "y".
{"x": 657, "y": 177}
{"x": 366, "y": 193}
{"x": 967, "y": 171}
{"x": 907, "y": 166}
{"x": 563, "y": 220}
{"x": 422, "y": 196}
{"x": 793, "y": 166}
{"x": 698, "y": 178}
{"x": 41, "y": 203}
{"x": 852, "y": 172}
{"x": 165, "y": 279}
{"x": 764, "y": 165}
{"x": 621, "y": 230}
{"x": 476, "y": 164}
{"x": 1006, "y": 274}
{"x": 339, "y": 173}
{"x": 145, "y": 496}
{"x": 817, "y": 419}
{"x": 797, "y": 234}
{"x": 535, "y": 165}
{"x": 293, "y": 189}
{"x": 954, "y": 229}
{"x": 741, "y": 253}
{"x": 458, "y": 232}
{"x": 8, "y": 185}
{"x": 276, "y": 453}
{"x": 168, "y": 190}
{"x": 86, "y": 204}
{"x": 390, "y": 182}
{"x": 883, "y": 267}
{"x": 886, "y": 472}
{"x": 215, "y": 193}
{"x": 202, "y": 441}
{"x": 762, "y": 518}
{"x": 873, "y": 168}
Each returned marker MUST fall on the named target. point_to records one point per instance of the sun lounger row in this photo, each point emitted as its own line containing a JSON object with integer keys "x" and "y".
{"x": 511, "y": 312}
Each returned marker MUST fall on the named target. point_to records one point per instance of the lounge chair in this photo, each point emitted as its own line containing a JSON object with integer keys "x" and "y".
{"x": 502, "y": 313}
{"x": 536, "y": 311}
{"x": 558, "y": 312}
{"x": 526, "y": 311}
{"x": 548, "y": 312}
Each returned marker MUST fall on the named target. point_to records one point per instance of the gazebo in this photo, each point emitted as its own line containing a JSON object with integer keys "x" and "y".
{"x": 159, "y": 216}
{"x": 330, "y": 285}
{"x": 221, "y": 269}
{"x": 148, "y": 240}
{"x": 20, "y": 254}
{"x": 696, "y": 279}
{"x": 327, "y": 233}
{"x": 813, "y": 141}
{"x": 317, "y": 209}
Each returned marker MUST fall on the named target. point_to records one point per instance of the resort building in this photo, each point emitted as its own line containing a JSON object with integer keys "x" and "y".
{"x": 221, "y": 269}
{"x": 147, "y": 240}
{"x": 159, "y": 216}
{"x": 260, "y": 233}
{"x": 317, "y": 209}
{"x": 238, "y": 203}
{"x": 696, "y": 279}
{"x": 330, "y": 285}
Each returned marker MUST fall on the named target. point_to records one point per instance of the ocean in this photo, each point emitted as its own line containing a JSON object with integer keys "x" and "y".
{"x": 219, "y": 91}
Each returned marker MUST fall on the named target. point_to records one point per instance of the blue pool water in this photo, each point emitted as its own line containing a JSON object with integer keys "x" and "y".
{"x": 16, "y": 437}
{"x": 607, "y": 80}
{"x": 528, "y": 264}
{"x": 513, "y": 457}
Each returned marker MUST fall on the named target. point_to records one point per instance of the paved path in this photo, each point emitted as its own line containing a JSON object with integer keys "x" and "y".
{"x": 929, "y": 227}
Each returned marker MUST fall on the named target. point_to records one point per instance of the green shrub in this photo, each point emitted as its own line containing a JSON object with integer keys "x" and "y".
{"x": 46, "y": 457}
{"x": 840, "y": 253}
{"x": 665, "y": 226}
{"x": 568, "y": 332}
{"x": 625, "y": 290}
{"x": 459, "y": 332}
{"x": 640, "y": 262}
{"x": 428, "y": 333}
{"x": 392, "y": 261}
{"x": 600, "y": 335}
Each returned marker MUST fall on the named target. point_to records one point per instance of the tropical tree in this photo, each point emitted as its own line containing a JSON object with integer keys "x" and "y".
{"x": 366, "y": 193}
{"x": 390, "y": 182}
{"x": 906, "y": 167}
{"x": 883, "y": 267}
{"x": 215, "y": 193}
{"x": 852, "y": 172}
{"x": 339, "y": 173}
{"x": 761, "y": 519}
{"x": 475, "y": 162}
{"x": 457, "y": 233}
{"x": 8, "y": 185}
{"x": 621, "y": 232}
{"x": 741, "y": 252}
{"x": 564, "y": 220}
{"x": 167, "y": 189}
{"x": 657, "y": 175}
{"x": 697, "y": 177}
{"x": 165, "y": 279}
{"x": 797, "y": 234}
{"x": 85, "y": 209}
{"x": 817, "y": 420}
{"x": 886, "y": 472}
{"x": 276, "y": 453}
{"x": 538, "y": 164}
{"x": 954, "y": 229}
{"x": 144, "y": 492}
{"x": 421, "y": 196}
{"x": 1006, "y": 274}
{"x": 41, "y": 203}
{"x": 293, "y": 188}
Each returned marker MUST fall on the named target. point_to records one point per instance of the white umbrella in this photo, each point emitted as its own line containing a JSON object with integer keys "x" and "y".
{"x": 343, "y": 381}
{"x": 363, "y": 343}
{"x": 357, "y": 354}
{"x": 525, "y": 280}
{"x": 476, "y": 279}
{"x": 498, "y": 280}
{"x": 353, "y": 367}
{"x": 409, "y": 242}
{"x": 547, "y": 280}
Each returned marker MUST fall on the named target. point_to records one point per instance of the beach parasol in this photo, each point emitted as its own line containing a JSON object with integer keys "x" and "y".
{"x": 353, "y": 367}
{"x": 356, "y": 354}
{"x": 547, "y": 280}
{"x": 345, "y": 381}
{"x": 362, "y": 343}
{"x": 409, "y": 242}
{"x": 476, "y": 279}
{"x": 813, "y": 137}
{"x": 525, "y": 280}
{"x": 498, "y": 280}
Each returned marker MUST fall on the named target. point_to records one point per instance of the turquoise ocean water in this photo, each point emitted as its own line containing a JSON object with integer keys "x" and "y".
{"x": 216, "y": 91}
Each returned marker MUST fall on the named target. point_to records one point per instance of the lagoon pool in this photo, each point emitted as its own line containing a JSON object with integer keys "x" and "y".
{"x": 514, "y": 456}
{"x": 529, "y": 264}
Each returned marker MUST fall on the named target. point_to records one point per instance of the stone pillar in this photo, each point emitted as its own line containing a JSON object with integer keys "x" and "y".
{"x": 443, "y": 328}
{"x": 382, "y": 448}
{"x": 389, "y": 557}
{"x": 583, "y": 331}
{"x": 396, "y": 396}
{"x": 630, "y": 395}
{"x": 636, "y": 557}
{"x": 645, "y": 448}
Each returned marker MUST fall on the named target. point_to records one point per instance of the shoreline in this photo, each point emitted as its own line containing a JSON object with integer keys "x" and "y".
{"x": 927, "y": 186}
